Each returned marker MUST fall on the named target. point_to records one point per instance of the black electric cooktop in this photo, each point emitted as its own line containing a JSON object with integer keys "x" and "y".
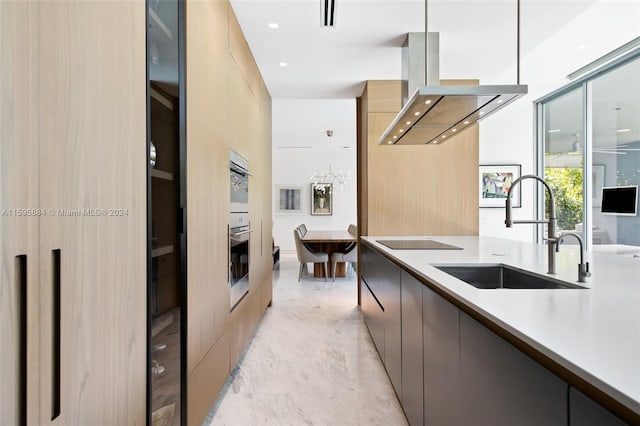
{"x": 417, "y": 245}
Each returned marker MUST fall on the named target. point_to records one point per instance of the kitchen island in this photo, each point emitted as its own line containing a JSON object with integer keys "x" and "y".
{"x": 505, "y": 356}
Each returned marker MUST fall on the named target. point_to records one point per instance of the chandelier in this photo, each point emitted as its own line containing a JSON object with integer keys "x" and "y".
{"x": 341, "y": 180}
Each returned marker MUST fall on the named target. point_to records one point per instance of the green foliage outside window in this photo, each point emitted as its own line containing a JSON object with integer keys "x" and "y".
{"x": 566, "y": 184}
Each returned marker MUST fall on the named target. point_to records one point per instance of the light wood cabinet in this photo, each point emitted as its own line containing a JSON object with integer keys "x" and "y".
{"x": 19, "y": 185}
{"x": 76, "y": 145}
{"x": 228, "y": 108}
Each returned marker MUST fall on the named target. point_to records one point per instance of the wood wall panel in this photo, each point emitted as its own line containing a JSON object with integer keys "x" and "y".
{"x": 207, "y": 176}
{"x": 19, "y": 183}
{"x": 383, "y": 96}
{"x": 206, "y": 381}
{"x": 92, "y": 115}
{"x": 228, "y": 108}
{"x": 416, "y": 190}
{"x": 243, "y": 320}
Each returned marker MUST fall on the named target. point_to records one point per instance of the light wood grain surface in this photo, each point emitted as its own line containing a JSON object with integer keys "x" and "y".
{"x": 329, "y": 236}
{"x": 207, "y": 177}
{"x": 226, "y": 96}
{"x": 417, "y": 190}
{"x": 19, "y": 189}
{"x": 92, "y": 113}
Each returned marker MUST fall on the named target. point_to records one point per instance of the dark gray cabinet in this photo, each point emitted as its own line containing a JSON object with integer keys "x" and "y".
{"x": 412, "y": 379}
{"x": 502, "y": 386}
{"x": 584, "y": 412}
{"x": 390, "y": 282}
{"x": 373, "y": 316}
{"x": 441, "y": 326}
{"x": 449, "y": 369}
{"x": 383, "y": 280}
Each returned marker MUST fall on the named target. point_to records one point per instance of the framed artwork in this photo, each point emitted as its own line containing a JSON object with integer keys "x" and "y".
{"x": 322, "y": 199}
{"x": 289, "y": 199}
{"x": 495, "y": 181}
{"x": 597, "y": 182}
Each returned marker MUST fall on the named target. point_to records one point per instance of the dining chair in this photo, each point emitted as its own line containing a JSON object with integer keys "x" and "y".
{"x": 305, "y": 255}
{"x": 350, "y": 256}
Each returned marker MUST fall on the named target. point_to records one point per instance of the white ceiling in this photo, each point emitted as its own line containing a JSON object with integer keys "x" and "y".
{"x": 477, "y": 39}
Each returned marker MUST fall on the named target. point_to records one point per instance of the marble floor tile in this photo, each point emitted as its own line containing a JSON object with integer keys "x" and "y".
{"x": 311, "y": 361}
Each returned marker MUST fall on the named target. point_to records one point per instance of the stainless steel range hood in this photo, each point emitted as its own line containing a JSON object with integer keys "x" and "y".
{"x": 434, "y": 114}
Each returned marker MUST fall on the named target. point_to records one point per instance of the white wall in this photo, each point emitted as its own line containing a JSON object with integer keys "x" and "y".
{"x": 302, "y": 147}
{"x": 507, "y": 137}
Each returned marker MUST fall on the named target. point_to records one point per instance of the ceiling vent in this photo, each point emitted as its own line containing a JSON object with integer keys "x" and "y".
{"x": 327, "y": 13}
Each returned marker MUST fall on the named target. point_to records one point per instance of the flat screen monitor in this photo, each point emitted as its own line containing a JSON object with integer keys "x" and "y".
{"x": 620, "y": 200}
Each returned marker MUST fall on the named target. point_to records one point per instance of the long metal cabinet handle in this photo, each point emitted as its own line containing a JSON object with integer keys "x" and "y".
{"x": 229, "y": 254}
{"x": 21, "y": 291}
{"x": 235, "y": 234}
{"x": 55, "y": 335}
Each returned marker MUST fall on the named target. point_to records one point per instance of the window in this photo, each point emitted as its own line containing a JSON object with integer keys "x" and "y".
{"x": 589, "y": 138}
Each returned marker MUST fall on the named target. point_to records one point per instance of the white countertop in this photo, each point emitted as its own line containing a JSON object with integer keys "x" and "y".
{"x": 594, "y": 333}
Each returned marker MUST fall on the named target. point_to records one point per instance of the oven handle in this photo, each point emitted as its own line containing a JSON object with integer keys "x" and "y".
{"x": 235, "y": 234}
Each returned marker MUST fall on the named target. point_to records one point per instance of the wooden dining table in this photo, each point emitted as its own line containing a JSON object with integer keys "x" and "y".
{"x": 329, "y": 241}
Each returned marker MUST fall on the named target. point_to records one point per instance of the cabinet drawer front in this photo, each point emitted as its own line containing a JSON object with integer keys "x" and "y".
{"x": 501, "y": 385}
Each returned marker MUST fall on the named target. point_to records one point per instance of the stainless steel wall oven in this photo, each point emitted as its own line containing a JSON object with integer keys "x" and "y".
{"x": 239, "y": 228}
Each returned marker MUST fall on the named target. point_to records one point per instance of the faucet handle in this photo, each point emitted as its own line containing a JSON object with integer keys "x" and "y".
{"x": 586, "y": 269}
{"x": 557, "y": 242}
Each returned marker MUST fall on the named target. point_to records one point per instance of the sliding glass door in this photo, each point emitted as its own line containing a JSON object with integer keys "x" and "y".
{"x": 616, "y": 151}
{"x": 589, "y": 139}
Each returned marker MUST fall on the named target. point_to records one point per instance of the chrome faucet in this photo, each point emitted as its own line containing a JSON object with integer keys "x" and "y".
{"x": 552, "y": 237}
{"x": 583, "y": 267}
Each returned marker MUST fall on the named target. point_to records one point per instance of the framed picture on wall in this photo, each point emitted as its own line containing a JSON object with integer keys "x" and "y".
{"x": 495, "y": 181}
{"x": 289, "y": 199}
{"x": 322, "y": 199}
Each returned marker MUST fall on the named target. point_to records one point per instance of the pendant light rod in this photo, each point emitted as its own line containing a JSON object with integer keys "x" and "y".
{"x": 518, "y": 42}
{"x": 427, "y": 79}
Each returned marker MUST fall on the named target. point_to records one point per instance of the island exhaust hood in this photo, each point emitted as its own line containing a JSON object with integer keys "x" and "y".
{"x": 434, "y": 113}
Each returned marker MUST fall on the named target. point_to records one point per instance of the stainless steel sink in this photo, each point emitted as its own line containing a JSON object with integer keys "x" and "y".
{"x": 494, "y": 276}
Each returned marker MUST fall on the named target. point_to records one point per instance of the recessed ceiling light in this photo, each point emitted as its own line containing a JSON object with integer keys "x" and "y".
{"x": 408, "y": 123}
{"x": 416, "y": 113}
{"x": 427, "y": 102}
{"x": 283, "y": 64}
{"x": 466, "y": 122}
{"x": 395, "y": 137}
{"x": 554, "y": 130}
{"x": 454, "y": 130}
{"x": 623, "y": 130}
{"x": 481, "y": 112}
{"x": 444, "y": 136}
{"x": 582, "y": 46}
{"x": 274, "y": 25}
{"x": 500, "y": 101}
{"x": 389, "y": 142}
{"x": 401, "y": 130}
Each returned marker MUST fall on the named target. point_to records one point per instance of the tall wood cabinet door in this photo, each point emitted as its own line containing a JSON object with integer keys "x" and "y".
{"x": 92, "y": 114}
{"x": 19, "y": 217}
